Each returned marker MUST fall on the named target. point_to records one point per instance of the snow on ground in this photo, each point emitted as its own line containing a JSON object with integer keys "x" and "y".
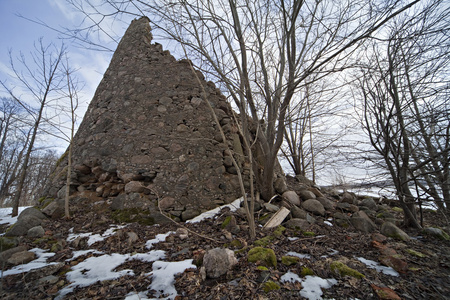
{"x": 311, "y": 285}
{"x": 212, "y": 213}
{"x": 39, "y": 262}
{"x": 93, "y": 238}
{"x": 5, "y": 215}
{"x": 299, "y": 255}
{"x": 158, "y": 238}
{"x": 374, "y": 265}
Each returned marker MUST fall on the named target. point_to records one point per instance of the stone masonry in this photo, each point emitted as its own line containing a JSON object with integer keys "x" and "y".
{"x": 148, "y": 135}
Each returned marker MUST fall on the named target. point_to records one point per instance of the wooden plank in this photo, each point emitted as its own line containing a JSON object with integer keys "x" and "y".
{"x": 277, "y": 218}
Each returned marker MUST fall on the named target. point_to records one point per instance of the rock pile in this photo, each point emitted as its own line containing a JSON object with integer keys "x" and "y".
{"x": 148, "y": 135}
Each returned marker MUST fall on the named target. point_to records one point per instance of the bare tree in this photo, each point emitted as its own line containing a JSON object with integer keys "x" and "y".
{"x": 260, "y": 52}
{"x": 41, "y": 80}
{"x": 404, "y": 92}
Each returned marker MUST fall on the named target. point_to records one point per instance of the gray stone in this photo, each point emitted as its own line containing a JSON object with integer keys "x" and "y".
{"x": 5, "y": 255}
{"x": 298, "y": 212}
{"x": 348, "y": 198}
{"x": 369, "y": 203}
{"x": 134, "y": 187}
{"x": 31, "y": 211}
{"x": 21, "y": 227}
{"x": 189, "y": 214}
{"x": 390, "y": 230}
{"x": 299, "y": 224}
{"x": 306, "y": 195}
{"x": 271, "y": 207}
{"x": 291, "y": 197}
{"x": 347, "y": 207}
{"x": 132, "y": 237}
{"x": 23, "y": 257}
{"x": 437, "y": 232}
{"x": 327, "y": 204}
{"x": 280, "y": 185}
{"x": 55, "y": 209}
{"x": 218, "y": 262}
{"x": 118, "y": 202}
{"x": 314, "y": 206}
{"x": 42, "y": 272}
{"x": 166, "y": 203}
{"x": 362, "y": 222}
{"x": 36, "y": 232}
{"x": 51, "y": 279}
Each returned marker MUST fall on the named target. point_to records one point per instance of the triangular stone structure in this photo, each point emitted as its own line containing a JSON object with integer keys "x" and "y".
{"x": 147, "y": 135}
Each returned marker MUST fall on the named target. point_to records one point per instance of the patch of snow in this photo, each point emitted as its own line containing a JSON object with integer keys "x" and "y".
{"x": 312, "y": 285}
{"x": 374, "y": 265}
{"x": 299, "y": 255}
{"x": 328, "y": 223}
{"x": 5, "y": 215}
{"x": 158, "y": 238}
{"x": 93, "y": 238}
{"x": 163, "y": 276}
{"x": 211, "y": 213}
{"x": 83, "y": 252}
{"x": 136, "y": 296}
{"x": 101, "y": 268}
{"x": 39, "y": 262}
{"x": 292, "y": 238}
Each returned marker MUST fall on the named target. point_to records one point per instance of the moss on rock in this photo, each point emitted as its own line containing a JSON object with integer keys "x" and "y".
{"x": 265, "y": 256}
{"x": 133, "y": 215}
{"x": 7, "y": 243}
{"x": 306, "y": 271}
{"x": 270, "y": 286}
{"x": 344, "y": 270}
{"x": 289, "y": 260}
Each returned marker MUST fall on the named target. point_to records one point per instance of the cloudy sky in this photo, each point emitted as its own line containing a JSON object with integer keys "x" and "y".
{"x": 19, "y": 35}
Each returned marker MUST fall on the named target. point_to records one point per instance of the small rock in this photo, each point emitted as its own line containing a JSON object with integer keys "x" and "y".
{"x": 5, "y": 255}
{"x": 166, "y": 202}
{"x": 316, "y": 192}
{"x": 132, "y": 237}
{"x": 369, "y": 203}
{"x": 390, "y": 230}
{"x": 271, "y": 207}
{"x": 36, "y": 232}
{"x": 23, "y": 257}
{"x": 314, "y": 206}
{"x": 347, "y": 207}
{"x": 378, "y": 237}
{"x": 291, "y": 197}
{"x": 306, "y": 195}
{"x": 189, "y": 214}
{"x": 298, "y": 212}
{"x": 218, "y": 262}
{"x": 182, "y": 233}
{"x": 348, "y": 198}
{"x": 327, "y": 204}
{"x": 280, "y": 186}
{"x": 134, "y": 187}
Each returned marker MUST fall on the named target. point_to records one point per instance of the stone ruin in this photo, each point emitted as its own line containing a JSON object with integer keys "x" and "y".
{"x": 148, "y": 136}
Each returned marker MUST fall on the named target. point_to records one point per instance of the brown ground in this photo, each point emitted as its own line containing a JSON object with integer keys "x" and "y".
{"x": 424, "y": 278}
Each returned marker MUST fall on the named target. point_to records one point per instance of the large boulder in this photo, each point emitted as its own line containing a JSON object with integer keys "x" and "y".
{"x": 327, "y": 204}
{"x": 218, "y": 262}
{"x": 390, "y": 230}
{"x": 31, "y": 211}
{"x": 23, "y": 225}
{"x": 55, "y": 209}
{"x": 314, "y": 206}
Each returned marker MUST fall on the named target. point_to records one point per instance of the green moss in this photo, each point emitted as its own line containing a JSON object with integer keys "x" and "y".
{"x": 265, "y": 241}
{"x": 264, "y": 217}
{"x": 133, "y": 215}
{"x": 270, "y": 286}
{"x": 226, "y": 222}
{"x": 236, "y": 243}
{"x": 7, "y": 243}
{"x": 306, "y": 271}
{"x": 343, "y": 270}
{"x": 415, "y": 253}
{"x": 308, "y": 233}
{"x": 265, "y": 256}
{"x": 289, "y": 260}
{"x": 397, "y": 209}
{"x": 279, "y": 231}
{"x": 262, "y": 268}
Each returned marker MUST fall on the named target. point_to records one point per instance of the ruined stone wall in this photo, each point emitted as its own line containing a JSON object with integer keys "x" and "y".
{"x": 147, "y": 131}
